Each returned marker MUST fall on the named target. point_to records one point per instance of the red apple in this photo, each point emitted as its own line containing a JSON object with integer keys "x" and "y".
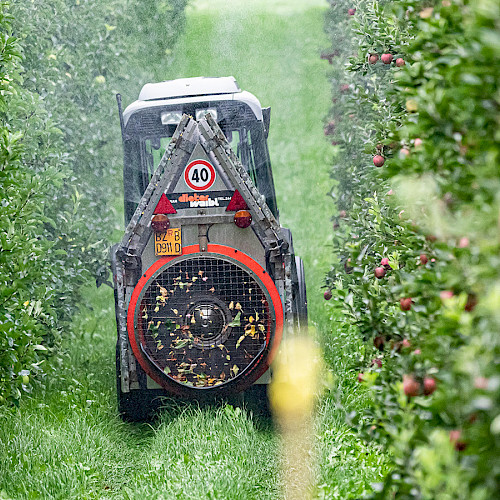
{"x": 404, "y": 153}
{"x": 386, "y": 58}
{"x": 424, "y": 259}
{"x": 347, "y": 267}
{"x": 410, "y": 386}
{"x": 400, "y": 62}
{"x": 418, "y": 142}
{"x": 405, "y": 343}
{"x": 429, "y": 386}
{"x": 373, "y": 58}
{"x": 446, "y": 295}
{"x": 405, "y": 303}
{"x": 377, "y": 362}
{"x": 328, "y": 295}
{"x": 342, "y": 214}
{"x": 481, "y": 383}
{"x": 351, "y": 12}
{"x": 379, "y": 342}
{"x": 360, "y": 377}
{"x": 329, "y": 128}
{"x": 378, "y": 160}
{"x": 379, "y": 272}
{"x": 471, "y": 302}
{"x": 416, "y": 352}
{"x": 463, "y": 243}
{"x": 455, "y": 439}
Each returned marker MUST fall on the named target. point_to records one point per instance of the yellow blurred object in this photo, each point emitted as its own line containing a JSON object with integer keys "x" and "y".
{"x": 411, "y": 105}
{"x": 293, "y": 391}
{"x": 426, "y": 13}
{"x": 295, "y": 378}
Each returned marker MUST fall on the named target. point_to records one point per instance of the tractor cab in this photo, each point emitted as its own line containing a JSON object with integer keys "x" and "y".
{"x": 149, "y": 123}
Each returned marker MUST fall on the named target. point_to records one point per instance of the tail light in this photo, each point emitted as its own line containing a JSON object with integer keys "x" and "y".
{"x": 243, "y": 218}
{"x": 160, "y": 223}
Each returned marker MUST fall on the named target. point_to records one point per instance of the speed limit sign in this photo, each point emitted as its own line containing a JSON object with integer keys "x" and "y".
{"x": 199, "y": 175}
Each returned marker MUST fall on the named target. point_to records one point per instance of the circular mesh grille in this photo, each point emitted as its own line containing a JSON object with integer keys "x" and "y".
{"x": 203, "y": 321}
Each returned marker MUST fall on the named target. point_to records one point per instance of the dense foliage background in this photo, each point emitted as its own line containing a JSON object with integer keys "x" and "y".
{"x": 61, "y": 62}
{"x": 416, "y": 117}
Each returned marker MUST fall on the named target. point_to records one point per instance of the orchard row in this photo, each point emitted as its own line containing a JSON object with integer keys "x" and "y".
{"x": 414, "y": 118}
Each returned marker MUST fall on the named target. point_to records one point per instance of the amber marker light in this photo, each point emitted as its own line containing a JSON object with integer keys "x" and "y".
{"x": 160, "y": 223}
{"x": 242, "y": 218}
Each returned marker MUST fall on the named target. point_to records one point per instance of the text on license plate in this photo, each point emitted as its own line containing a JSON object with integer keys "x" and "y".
{"x": 168, "y": 243}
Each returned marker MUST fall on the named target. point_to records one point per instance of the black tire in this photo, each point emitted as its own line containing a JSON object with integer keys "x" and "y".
{"x": 301, "y": 295}
{"x": 136, "y": 405}
{"x": 256, "y": 400}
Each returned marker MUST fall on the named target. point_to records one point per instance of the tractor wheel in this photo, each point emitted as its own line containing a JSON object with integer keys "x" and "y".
{"x": 137, "y": 405}
{"x": 301, "y": 296}
{"x": 256, "y": 400}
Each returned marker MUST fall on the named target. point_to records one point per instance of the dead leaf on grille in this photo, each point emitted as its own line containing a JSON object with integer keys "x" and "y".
{"x": 193, "y": 321}
{"x": 179, "y": 344}
{"x": 236, "y": 321}
{"x": 194, "y": 278}
{"x": 235, "y": 370}
{"x": 231, "y": 305}
{"x": 157, "y": 308}
{"x": 238, "y": 306}
{"x": 256, "y": 316}
{"x": 251, "y": 319}
{"x": 212, "y": 290}
{"x": 222, "y": 376}
{"x": 166, "y": 370}
{"x": 240, "y": 340}
{"x": 175, "y": 311}
{"x": 262, "y": 328}
{"x": 145, "y": 315}
{"x": 228, "y": 357}
{"x": 163, "y": 291}
{"x": 205, "y": 278}
{"x": 200, "y": 273}
{"x": 250, "y": 330}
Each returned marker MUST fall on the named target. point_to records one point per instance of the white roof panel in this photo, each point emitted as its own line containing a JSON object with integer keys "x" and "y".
{"x": 187, "y": 87}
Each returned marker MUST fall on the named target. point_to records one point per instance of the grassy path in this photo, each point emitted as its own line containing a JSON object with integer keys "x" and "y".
{"x": 68, "y": 442}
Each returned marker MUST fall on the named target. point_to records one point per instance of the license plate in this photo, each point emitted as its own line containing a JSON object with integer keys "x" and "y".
{"x": 168, "y": 243}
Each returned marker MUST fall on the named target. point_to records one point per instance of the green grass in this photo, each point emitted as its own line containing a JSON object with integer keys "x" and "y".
{"x": 67, "y": 442}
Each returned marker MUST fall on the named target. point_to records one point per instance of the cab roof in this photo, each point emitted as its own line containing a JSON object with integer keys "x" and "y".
{"x": 191, "y": 90}
{"x": 188, "y": 87}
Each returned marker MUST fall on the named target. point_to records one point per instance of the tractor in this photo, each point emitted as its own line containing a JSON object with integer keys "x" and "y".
{"x": 206, "y": 281}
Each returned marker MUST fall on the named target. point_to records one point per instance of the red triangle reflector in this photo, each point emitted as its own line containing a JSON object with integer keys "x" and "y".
{"x": 237, "y": 203}
{"x": 164, "y": 206}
